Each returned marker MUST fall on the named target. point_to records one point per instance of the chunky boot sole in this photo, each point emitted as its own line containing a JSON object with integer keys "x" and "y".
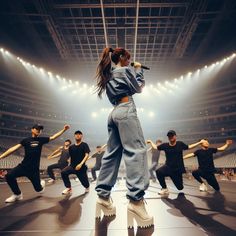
{"x": 142, "y": 223}
{"x": 106, "y": 212}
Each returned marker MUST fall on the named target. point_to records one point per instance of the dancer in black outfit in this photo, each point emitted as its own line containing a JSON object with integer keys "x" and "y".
{"x": 174, "y": 166}
{"x": 63, "y": 152}
{"x": 206, "y": 167}
{"x": 79, "y": 154}
{"x": 29, "y": 167}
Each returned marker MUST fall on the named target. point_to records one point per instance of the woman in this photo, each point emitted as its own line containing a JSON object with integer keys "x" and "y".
{"x": 125, "y": 136}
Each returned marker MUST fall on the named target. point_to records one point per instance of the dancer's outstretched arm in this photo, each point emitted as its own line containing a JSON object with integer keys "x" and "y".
{"x": 190, "y": 146}
{"x": 149, "y": 141}
{"x": 11, "y": 150}
{"x": 227, "y": 143}
{"x": 102, "y": 147}
{"x": 56, "y": 153}
{"x": 58, "y": 134}
{"x": 189, "y": 155}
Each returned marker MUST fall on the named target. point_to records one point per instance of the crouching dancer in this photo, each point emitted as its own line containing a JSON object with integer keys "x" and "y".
{"x": 29, "y": 167}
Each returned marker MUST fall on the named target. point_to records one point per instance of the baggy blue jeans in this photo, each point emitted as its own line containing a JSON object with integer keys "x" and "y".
{"x": 125, "y": 140}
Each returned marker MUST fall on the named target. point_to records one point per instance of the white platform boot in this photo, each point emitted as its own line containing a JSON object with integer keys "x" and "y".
{"x": 106, "y": 206}
{"x": 136, "y": 210}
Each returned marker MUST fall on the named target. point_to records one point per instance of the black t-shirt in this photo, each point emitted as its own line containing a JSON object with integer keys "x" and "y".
{"x": 205, "y": 159}
{"x": 77, "y": 153}
{"x": 33, "y": 149}
{"x": 65, "y": 155}
{"x": 174, "y": 155}
{"x": 155, "y": 155}
{"x": 98, "y": 157}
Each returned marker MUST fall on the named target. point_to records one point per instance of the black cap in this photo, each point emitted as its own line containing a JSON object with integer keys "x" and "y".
{"x": 78, "y": 132}
{"x": 37, "y": 126}
{"x": 171, "y": 133}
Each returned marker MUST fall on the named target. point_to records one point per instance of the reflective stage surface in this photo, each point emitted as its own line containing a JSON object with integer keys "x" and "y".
{"x": 183, "y": 213}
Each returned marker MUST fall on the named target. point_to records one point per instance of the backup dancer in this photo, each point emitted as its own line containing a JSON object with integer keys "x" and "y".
{"x": 79, "y": 153}
{"x": 29, "y": 167}
{"x": 174, "y": 165}
{"x": 125, "y": 136}
{"x": 206, "y": 167}
{"x": 63, "y": 152}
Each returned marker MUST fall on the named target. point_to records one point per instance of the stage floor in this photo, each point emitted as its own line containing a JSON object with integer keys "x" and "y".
{"x": 192, "y": 213}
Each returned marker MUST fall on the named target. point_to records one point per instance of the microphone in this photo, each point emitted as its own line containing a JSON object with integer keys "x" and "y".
{"x": 142, "y": 66}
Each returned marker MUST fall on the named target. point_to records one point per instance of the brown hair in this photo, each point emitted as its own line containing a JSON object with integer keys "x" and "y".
{"x": 104, "y": 67}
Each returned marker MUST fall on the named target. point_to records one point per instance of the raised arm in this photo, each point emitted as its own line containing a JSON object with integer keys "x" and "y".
{"x": 58, "y": 134}
{"x": 190, "y": 146}
{"x": 10, "y": 150}
{"x": 188, "y": 155}
{"x": 151, "y": 143}
{"x": 56, "y": 153}
{"x": 82, "y": 162}
{"x": 227, "y": 143}
{"x": 104, "y": 146}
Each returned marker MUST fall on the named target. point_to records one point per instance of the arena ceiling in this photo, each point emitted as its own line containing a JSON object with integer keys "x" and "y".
{"x": 167, "y": 35}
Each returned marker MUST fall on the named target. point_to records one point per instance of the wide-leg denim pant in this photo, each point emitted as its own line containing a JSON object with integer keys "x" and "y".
{"x": 125, "y": 140}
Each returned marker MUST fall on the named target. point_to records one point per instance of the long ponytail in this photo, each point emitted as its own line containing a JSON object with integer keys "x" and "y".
{"x": 104, "y": 67}
{"x": 103, "y": 71}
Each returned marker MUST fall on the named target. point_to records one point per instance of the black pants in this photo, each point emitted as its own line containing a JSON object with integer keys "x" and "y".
{"x": 175, "y": 176}
{"x": 81, "y": 174}
{"x": 208, "y": 176}
{"x": 93, "y": 171}
{"x": 20, "y": 171}
{"x": 55, "y": 166}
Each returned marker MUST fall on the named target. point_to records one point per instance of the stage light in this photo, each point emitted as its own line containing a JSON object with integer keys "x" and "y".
{"x": 151, "y": 114}
{"x": 70, "y": 81}
{"x": 94, "y": 114}
{"x": 41, "y": 70}
{"x": 189, "y": 73}
{"x": 58, "y": 77}
{"x": 205, "y": 66}
{"x": 64, "y": 87}
{"x": 49, "y": 73}
{"x": 2, "y": 50}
